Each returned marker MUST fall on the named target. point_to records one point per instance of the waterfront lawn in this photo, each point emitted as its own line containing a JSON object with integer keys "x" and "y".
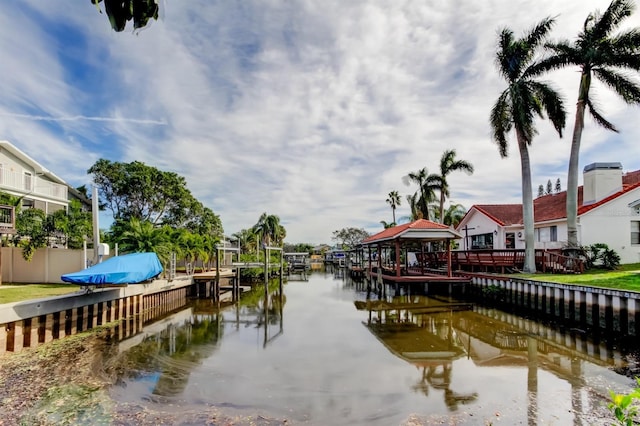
{"x": 626, "y": 277}
{"x": 10, "y": 293}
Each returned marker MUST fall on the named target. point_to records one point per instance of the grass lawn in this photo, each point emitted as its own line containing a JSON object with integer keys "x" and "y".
{"x": 626, "y": 277}
{"x": 16, "y": 292}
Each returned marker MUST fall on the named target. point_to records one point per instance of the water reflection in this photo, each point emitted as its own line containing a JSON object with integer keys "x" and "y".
{"x": 431, "y": 333}
{"x": 354, "y": 353}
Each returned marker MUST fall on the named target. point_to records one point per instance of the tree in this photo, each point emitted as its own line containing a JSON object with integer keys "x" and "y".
{"x": 449, "y": 164}
{"x": 394, "y": 201}
{"x": 549, "y": 187}
{"x": 247, "y": 239}
{"x": 30, "y": 231}
{"x": 120, "y": 12}
{"x": 524, "y": 97}
{"x": 387, "y": 225}
{"x": 138, "y": 236}
{"x": 269, "y": 229}
{"x": 71, "y": 227}
{"x": 427, "y": 184}
{"x": 540, "y": 190}
{"x": 349, "y": 237}
{"x": 454, "y": 214}
{"x": 607, "y": 56}
{"x": 135, "y": 190}
{"x": 558, "y": 186}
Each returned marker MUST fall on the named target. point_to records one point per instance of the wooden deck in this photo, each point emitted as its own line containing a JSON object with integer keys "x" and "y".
{"x": 502, "y": 261}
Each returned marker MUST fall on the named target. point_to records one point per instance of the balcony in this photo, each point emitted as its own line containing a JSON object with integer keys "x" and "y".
{"x": 32, "y": 185}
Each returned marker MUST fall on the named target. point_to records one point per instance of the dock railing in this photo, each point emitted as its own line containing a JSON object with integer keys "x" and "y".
{"x": 505, "y": 260}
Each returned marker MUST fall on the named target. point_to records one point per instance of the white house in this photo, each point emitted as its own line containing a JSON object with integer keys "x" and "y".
{"x": 608, "y": 212}
{"x": 22, "y": 176}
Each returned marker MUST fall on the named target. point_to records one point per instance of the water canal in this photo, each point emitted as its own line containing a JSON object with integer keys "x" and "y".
{"x": 330, "y": 352}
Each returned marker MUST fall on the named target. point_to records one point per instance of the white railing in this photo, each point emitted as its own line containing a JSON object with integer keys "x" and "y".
{"x": 27, "y": 184}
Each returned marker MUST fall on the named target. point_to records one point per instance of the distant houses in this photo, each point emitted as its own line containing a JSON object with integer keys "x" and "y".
{"x": 608, "y": 212}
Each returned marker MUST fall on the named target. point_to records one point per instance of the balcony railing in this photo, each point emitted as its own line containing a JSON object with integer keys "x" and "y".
{"x": 28, "y": 184}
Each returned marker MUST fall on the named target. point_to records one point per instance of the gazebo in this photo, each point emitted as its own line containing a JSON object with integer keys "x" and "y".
{"x": 397, "y": 241}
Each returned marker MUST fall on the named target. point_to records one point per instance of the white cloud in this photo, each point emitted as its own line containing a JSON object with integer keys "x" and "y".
{"x": 309, "y": 110}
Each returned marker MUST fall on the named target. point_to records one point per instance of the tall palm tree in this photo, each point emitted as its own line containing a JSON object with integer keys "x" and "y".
{"x": 394, "y": 201}
{"x": 516, "y": 107}
{"x": 449, "y": 164}
{"x": 600, "y": 53}
{"x": 427, "y": 184}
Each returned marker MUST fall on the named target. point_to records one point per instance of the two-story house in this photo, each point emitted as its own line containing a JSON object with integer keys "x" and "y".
{"x": 23, "y": 177}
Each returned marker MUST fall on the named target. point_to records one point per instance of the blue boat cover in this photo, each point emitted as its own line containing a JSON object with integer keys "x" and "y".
{"x": 126, "y": 269}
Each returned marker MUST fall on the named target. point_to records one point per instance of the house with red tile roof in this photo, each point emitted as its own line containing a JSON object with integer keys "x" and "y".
{"x": 608, "y": 212}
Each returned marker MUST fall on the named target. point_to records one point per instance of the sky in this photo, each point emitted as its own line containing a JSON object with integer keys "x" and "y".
{"x": 312, "y": 110}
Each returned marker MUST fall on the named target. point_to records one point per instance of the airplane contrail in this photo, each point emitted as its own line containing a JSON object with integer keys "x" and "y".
{"x": 84, "y": 117}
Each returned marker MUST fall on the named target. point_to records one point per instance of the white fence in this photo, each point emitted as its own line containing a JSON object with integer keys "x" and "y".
{"x": 47, "y": 265}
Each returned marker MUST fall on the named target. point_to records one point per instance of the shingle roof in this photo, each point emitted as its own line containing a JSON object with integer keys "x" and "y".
{"x": 420, "y": 224}
{"x": 553, "y": 206}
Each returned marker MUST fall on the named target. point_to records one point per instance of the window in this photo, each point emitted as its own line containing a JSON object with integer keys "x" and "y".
{"x": 484, "y": 241}
{"x": 27, "y": 181}
{"x": 635, "y": 232}
{"x": 546, "y": 234}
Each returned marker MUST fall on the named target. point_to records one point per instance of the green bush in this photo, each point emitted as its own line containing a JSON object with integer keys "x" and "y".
{"x": 625, "y": 406}
{"x": 600, "y": 255}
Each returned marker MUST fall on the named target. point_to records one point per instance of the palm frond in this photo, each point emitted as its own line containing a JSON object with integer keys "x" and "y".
{"x": 501, "y": 123}
{"x": 605, "y": 23}
{"x": 552, "y": 103}
{"x": 626, "y": 88}
{"x": 599, "y": 118}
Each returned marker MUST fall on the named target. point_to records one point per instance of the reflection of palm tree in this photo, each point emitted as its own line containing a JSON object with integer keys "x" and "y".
{"x": 394, "y": 201}
{"x": 449, "y": 164}
{"x": 523, "y": 99}
{"x": 599, "y": 53}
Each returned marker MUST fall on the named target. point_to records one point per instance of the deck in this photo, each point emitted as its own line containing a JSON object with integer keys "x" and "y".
{"x": 503, "y": 261}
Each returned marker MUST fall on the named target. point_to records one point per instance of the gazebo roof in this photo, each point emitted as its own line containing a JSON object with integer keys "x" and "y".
{"x": 421, "y": 229}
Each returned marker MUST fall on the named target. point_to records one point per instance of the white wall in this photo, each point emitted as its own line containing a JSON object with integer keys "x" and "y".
{"x": 482, "y": 225}
{"x": 611, "y": 224}
{"x": 47, "y": 265}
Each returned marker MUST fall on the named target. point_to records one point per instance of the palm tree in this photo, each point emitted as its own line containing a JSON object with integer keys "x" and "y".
{"x": 597, "y": 52}
{"x": 454, "y": 214}
{"x": 516, "y": 107}
{"x": 269, "y": 229}
{"x": 427, "y": 184}
{"x": 143, "y": 236}
{"x": 387, "y": 225}
{"x": 394, "y": 201}
{"x": 448, "y": 164}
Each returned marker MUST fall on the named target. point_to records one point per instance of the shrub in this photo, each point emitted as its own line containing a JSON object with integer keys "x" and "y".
{"x": 600, "y": 255}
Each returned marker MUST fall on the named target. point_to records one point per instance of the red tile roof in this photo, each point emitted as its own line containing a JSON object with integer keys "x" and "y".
{"x": 395, "y": 231}
{"x": 553, "y": 206}
{"x": 631, "y": 178}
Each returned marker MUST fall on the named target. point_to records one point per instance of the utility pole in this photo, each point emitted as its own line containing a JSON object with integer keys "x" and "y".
{"x": 466, "y": 236}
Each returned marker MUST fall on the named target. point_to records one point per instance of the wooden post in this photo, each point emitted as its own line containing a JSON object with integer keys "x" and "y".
{"x": 282, "y": 267}
{"x": 448, "y": 242}
{"x": 398, "y": 267}
{"x": 266, "y": 273}
{"x": 217, "y": 286}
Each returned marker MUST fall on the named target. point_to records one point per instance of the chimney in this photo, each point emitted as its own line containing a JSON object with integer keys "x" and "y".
{"x": 600, "y": 181}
